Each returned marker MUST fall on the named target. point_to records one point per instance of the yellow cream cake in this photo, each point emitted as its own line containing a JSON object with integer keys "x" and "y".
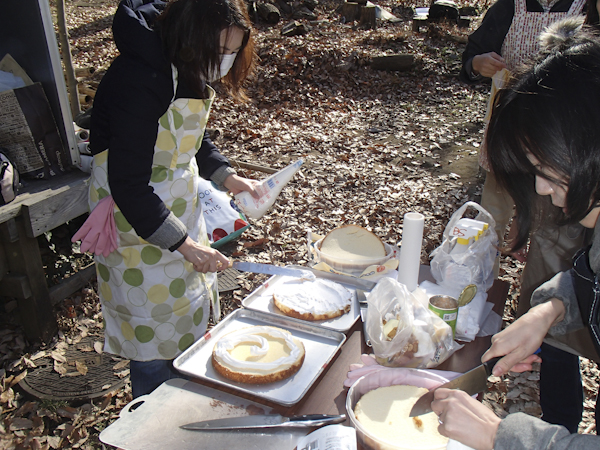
{"x": 258, "y": 355}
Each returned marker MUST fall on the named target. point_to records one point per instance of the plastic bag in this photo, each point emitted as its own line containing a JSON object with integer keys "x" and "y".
{"x": 403, "y": 332}
{"x": 475, "y": 265}
{"x": 224, "y": 222}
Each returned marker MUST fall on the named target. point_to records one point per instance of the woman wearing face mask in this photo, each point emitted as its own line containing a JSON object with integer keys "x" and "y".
{"x": 544, "y": 138}
{"x": 150, "y": 146}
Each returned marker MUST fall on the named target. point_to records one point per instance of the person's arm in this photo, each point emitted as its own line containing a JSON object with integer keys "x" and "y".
{"x": 135, "y": 98}
{"x": 518, "y": 342}
{"x": 488, "y": 38}
{"x": 473, "y": 424}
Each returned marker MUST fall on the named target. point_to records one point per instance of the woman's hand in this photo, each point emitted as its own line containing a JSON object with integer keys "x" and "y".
{"x": 237, "y": 184}
{"x": 204, "y": 259}
{"x": 521, "y": 339}
{"x": 464, "y": 419}
{"x": 487, "y": 64}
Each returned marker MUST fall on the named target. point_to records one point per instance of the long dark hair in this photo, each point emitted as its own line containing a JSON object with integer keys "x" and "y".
{"x": 552, "y": 111}
{"x": 191, "y": 30}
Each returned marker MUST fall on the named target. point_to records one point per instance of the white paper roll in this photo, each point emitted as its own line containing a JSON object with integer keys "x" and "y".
{"x": 410, "y": 250}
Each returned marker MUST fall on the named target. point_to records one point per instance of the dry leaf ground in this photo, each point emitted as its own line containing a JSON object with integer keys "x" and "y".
{"x": 375, "y": 144}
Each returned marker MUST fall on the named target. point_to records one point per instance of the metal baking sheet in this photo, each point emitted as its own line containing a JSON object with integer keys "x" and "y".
{"x": 261, "y": 299}
{"x": 320, "y": 346}
{"x": 151, "y": 422}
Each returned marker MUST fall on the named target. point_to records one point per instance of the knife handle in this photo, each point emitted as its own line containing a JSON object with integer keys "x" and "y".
{"x": 316, "y": 420}
{"x": 489, "y": 365}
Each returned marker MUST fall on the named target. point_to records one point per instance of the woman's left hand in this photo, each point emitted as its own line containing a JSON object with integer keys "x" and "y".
{"x": 464, "y": 419}
{"x": 237, "y": 184}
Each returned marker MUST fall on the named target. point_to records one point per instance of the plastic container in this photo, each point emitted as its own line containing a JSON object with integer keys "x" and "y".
{"x": 268, "y": 189}
{"x": 350, "y": 266}
{"x": 373, "y": 381}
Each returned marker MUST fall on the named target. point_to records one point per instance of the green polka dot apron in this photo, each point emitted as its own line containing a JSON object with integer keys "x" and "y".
{"x": 153, "y": 302}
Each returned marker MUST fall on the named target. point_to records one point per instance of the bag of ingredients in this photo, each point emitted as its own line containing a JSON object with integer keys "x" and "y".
{"x": 402, "y": 330}
{"x": 224, "y": 222}
{"x": 468, "y": 251}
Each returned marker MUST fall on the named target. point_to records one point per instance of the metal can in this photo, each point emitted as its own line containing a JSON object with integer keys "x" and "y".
{"x": 446, "y": 308}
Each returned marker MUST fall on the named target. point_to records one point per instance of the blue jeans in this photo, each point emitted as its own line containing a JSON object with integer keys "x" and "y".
{"x": 146, "y": 376}
{"x": 561, "y": 392}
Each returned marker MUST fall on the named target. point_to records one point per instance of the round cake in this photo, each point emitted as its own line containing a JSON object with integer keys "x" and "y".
{"x": 312, "y": 300}
{"x": 258, "y": 355}
{"x": 384, "y": 412}
{"x": 352, "y": 242}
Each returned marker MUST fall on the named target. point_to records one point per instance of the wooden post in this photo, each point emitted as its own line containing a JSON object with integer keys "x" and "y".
{"x": 393, "y": 62}
{"x": 368, "y": 17}
{"x": 350, "y": 11}
{"x": 65, "y": 49}
{"x": 28, "y": 281}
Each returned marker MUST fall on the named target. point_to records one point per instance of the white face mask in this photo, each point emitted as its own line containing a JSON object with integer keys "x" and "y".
{"x": 226, "y": 64}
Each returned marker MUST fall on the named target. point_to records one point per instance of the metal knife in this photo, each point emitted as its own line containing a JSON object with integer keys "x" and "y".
{"x": 272, "y": 270}
{"x": 472, "y": 382}
{"x": 365, "y": 285}
{"x": 265, "y": 421}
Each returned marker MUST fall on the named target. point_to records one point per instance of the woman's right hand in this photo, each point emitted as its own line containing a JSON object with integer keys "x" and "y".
{"x": 204, "y": 259}
{"x": 518, "y": 342}
{"x": 487, "y": 64}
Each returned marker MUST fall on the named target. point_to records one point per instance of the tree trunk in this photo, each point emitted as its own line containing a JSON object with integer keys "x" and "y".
{"x": 350, "y": 11}
{"x": 65, "y": 49}
{"x": 368, "y": 17}
{"x": 393, "y": 62}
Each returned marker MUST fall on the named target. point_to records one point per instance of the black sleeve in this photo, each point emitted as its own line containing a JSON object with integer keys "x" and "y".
{"x": 208, "y": 158}
{"x": 490, "y": 34}
{"x": 133, "y": 98}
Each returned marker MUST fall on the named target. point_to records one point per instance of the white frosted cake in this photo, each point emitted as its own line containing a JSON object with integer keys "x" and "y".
{"x": 312, "y": 300}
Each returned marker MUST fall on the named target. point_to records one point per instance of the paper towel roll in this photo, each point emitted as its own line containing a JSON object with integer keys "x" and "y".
{"x": 410, "y": 250}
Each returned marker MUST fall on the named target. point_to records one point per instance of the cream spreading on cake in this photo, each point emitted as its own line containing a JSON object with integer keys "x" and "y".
{"x": 384, "y": 414}
{"x": 257, "y": 337}
{"x": 313, "y": 297}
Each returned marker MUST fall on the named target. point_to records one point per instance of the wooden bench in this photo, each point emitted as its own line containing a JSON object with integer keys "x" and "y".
{"x": 40, "y": 207}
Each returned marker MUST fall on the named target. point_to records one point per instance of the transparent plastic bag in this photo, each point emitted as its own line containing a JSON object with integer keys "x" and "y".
{"x": 403, "y": 332}
{"x": 475, "y": 265}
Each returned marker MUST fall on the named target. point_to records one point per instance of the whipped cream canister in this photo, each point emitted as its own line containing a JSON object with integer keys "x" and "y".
{"x": 268, "y": 189}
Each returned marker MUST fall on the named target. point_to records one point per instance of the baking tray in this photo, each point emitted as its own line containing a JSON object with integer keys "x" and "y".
{"x": 151, "y": 422}
{"x": 261, "y": 299}
{"x": 320, "y": 346}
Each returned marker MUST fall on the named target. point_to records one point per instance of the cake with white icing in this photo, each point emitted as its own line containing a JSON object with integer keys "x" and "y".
{"x": 312, "y": 300}
{"x": 258, "y": 355}
{"x": 383, "y": 413}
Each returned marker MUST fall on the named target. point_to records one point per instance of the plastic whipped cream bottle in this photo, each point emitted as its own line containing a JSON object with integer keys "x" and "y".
{"x": 268, "y": 189}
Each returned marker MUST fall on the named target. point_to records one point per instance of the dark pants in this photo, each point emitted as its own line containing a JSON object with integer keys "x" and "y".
{"x": 148, "y": 375}
{"x": 561, "y": 392}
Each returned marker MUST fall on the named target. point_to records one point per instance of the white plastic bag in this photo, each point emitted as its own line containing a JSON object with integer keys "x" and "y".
{"x": 224, "y": 221}
{"x": 422, "y": 340}
{"x": 473, "y": 266}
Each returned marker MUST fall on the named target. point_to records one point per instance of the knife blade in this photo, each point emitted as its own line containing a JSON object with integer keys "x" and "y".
{"x": 472, "y": 382}
{"x": 272, "y": 270}
{"x": 265, "y": 421}
{"x": 365, "y": 285}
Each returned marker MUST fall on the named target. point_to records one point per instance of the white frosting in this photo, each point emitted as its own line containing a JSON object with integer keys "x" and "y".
{"x": 252, "y": 334}
{"x": 316, "y": 297}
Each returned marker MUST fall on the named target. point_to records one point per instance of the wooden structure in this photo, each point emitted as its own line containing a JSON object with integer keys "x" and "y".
{"x": 27, "y": 34}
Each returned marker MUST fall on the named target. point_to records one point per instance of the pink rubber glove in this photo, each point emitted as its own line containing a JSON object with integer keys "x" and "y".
{"x": 98, "y": 234}
{"x": 387, "y": 376}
